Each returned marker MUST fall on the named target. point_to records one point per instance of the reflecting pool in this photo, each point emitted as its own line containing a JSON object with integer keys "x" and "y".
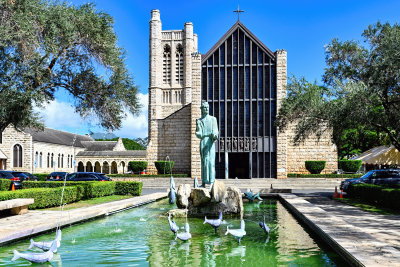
{"x": 141, "y": 237}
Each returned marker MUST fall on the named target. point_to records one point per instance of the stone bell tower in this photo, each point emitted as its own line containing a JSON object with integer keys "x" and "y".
{"x": 171, "y": 56}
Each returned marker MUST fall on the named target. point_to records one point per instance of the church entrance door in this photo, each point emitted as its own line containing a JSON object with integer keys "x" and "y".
{"x": 238, "y": 165}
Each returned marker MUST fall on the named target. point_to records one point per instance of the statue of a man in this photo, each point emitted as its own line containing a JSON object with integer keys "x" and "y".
{"x": 207, "y": 131}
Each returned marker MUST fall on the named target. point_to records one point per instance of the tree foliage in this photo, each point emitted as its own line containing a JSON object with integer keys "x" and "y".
{"x": 362, "y": 89}
{"x": 128, "y": 143}
{"x": 46, "y": 46}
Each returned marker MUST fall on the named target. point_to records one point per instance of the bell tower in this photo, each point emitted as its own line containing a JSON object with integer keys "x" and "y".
{"x": 170, "y": 76}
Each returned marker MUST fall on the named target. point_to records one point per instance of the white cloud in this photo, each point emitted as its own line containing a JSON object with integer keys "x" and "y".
{"x": 62, "y": 116}
{"x": 136, "y": 126}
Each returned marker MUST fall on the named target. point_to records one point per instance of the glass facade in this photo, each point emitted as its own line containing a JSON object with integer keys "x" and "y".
{"x": 239, "y": 83}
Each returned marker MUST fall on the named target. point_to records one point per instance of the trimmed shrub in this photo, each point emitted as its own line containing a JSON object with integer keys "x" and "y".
{"x": 376, "y": 195}
{"x": 349, "y": 165}
{"x": 87, "y": 190}
{"x": 5, "y": 184}
{"x": 41, "y": 176}
{"x": 128, "y": 188}
{"x": 44, "y": 197}
{"x": 137, "y": 166}
{"x": 164, "y": 167}
{"x": 101, "y": 189}
{"x": 315, "y": 166}
{"x": 327, "y": 175}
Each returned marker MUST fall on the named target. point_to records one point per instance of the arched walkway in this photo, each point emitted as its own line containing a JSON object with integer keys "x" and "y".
{"x": 89, "y": 167}
{"x": 106, "y": 167}
{"x": 81, "y": 167}
{"x": 114, "y": 168}
{"x": 97, "y": 167}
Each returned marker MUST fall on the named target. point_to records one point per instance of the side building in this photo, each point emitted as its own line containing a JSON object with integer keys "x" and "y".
{"x": 53, "y": 150}
{"x": 244, "y": 83}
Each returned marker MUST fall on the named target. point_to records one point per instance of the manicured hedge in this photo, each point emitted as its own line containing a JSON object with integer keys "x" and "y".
{"x": 128, "y": 188}
{"x": 137, "y": 166}
{"x": 122, "y": 175}
{"x": 376, "y": 194}
{"x": 101, "y": 189}
{"x": 89, "y": 190}
{"x": 5, "y": 184}
{"x": 349, "y": 165}
{"x": 44, "y": 197}
{"x": 328, "y": 175}
{"x": 315, "y": 166}
{"x": 164, "y": 167}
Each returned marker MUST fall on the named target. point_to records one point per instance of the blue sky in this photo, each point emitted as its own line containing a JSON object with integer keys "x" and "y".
{"x": 300, "y": 27}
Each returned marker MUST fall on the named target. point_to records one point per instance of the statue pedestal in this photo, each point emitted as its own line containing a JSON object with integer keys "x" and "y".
{"x": 200, "y": 202}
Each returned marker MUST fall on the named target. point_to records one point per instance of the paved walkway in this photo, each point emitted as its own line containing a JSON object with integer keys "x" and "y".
{"x": 34, "y": 222}
{"x": 367, "y": 239}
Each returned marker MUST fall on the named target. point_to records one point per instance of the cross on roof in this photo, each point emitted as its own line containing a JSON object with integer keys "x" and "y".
{"x": 238, "y": 11}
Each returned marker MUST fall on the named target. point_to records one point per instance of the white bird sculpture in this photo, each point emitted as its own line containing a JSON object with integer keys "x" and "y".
{"x": 172, "y": 225}
{"x": 45, "y": 245}
{"x": 37, "y": 257}
{"x": 185, "y": 235}
{"x": 238, "y": 233}
{"x": 214, "y": 222}
{"x": 264, "y": 226}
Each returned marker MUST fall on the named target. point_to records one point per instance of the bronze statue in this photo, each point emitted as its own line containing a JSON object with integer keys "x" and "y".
{"x": 207, "y": 131}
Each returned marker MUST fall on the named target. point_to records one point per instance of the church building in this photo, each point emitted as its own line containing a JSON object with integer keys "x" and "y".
{"x": 243, "y": 82}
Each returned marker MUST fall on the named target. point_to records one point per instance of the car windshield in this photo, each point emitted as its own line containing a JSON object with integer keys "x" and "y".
{"x": 58, "y": 173}
{"x": 20, "y": 174}
{"x": 7, "y": 175}
{"x": 367, "y": 175}
{"x": 102, "y": 176}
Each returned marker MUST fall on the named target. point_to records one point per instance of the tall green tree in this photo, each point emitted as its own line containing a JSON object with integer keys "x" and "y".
{"x": 46, "y": 46}
{"x": 362, "y": 88}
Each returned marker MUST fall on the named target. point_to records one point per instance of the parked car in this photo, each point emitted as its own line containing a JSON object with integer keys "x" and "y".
{"x": 14, "y": 180}
{"x": 87, "y": 176}
{"x": 25, "y": 176}
{"x": 379, "y": 177}
{"x": 56, "y": 176}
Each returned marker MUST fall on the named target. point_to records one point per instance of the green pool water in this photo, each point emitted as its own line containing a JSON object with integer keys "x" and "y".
{"x": 141, "y": 237}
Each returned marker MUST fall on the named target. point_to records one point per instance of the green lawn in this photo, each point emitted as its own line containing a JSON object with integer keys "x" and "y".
{"x": 368, "y": 207}
{"x": 91, "y": 202}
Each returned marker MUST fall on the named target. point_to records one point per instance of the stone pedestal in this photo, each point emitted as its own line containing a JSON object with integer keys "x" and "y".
{"x": 203, "y": 203}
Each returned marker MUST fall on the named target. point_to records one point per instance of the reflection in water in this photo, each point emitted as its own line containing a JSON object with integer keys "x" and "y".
{"x": 238, "y": 251}
{"x": 56, "y": 261}
{"x": 292, "y": 240}
{"x": 124, "y": 240}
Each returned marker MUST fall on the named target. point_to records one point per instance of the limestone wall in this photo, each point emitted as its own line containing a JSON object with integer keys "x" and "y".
{"x": 47, "y": 149}
{"x": 195, "y": 114}
{"x": 310, "y": 149}
{"x": 174, "y": 136}
{"x": 11, "y": 137}
{"x": 281, "y": 140}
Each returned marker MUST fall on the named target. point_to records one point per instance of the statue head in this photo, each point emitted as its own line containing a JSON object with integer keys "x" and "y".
{"x": 204, "y": 108}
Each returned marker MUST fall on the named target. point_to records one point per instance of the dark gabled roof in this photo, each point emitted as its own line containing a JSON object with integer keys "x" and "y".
{"x": 127, "y": 153}
{"x": 57, "y": 137}
{"x": 235, "y": 26}
{"x": 99, "y": 145}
